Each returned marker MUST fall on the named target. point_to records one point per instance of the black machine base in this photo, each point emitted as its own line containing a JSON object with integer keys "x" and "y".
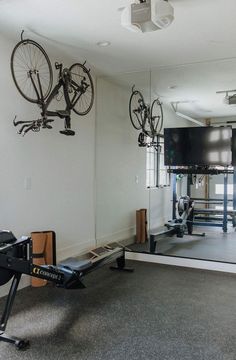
{"x": 126, "y": 269}
{"x": 121, "y": 265}
{"x": 196, "y": 234}
{"x": 19, "y": 343}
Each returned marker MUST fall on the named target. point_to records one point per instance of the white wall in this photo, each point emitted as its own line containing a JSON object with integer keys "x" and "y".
{"x": 119, "y": 161}
{"x": 61, "y": 169}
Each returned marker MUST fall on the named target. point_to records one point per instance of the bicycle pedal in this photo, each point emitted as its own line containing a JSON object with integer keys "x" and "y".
{"x": 67, "y": 132}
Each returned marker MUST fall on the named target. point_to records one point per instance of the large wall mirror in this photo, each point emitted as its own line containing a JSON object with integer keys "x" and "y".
{"x": 130, "y": 177}
{"x": 120, "y": 162}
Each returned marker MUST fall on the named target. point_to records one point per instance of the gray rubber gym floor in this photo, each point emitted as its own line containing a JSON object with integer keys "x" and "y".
{"x": 215, "y": 245}
{"x": 157, "y": 312}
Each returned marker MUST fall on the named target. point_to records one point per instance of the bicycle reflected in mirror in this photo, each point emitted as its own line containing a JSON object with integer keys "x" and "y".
{"x": 145, "y": 117}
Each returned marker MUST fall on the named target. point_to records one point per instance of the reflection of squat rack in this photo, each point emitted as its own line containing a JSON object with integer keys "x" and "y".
{"x": 209, "y": 217}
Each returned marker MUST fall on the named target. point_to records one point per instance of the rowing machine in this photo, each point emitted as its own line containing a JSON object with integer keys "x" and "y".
{"x": 16, "y": 258}
{"x": 180, "y": 226}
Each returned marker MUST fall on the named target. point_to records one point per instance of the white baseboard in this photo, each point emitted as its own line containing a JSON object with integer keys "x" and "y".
{"x": 74, "y": 250}
{"x": 183, "y": 262}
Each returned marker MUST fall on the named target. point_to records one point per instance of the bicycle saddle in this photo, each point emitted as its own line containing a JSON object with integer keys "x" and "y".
{"x": 67, "y": 132}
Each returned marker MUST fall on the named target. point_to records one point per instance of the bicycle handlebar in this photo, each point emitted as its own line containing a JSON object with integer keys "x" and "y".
{"x": 33, "y": 125}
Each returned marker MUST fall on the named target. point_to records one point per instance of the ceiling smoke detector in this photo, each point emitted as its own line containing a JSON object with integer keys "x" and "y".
{"x": 147, "y": 15}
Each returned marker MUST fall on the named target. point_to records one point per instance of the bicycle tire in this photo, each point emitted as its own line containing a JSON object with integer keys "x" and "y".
{"x": 28, "y": 56}
{"x": 81, "y": 78}
{"x": 156, "y": 118}
{"x": 135, "y": 100}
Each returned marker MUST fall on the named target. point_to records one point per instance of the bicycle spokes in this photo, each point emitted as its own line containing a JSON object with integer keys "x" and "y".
{"x": 144, "y": 117}
{"x": 32, "y": 74}
{"x": 137, "y": 109}
{"x": 82, "y": 90}
{"x": 157, "y": 116}
{"x": 28, "y": 60}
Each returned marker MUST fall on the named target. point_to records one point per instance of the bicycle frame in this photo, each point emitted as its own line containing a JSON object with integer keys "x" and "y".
{"x": 65, "y": 82}
{"x": 145, "y": 116}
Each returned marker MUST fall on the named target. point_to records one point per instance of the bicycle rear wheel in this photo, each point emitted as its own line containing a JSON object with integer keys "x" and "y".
{"x": 28, "y": 61}
{"x": 156, "y": 117}
{"x": 136, "y": 109}
{"x": 81, "y": 89}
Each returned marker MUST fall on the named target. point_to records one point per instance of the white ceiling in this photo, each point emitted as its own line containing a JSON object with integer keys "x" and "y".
{"x": 192, "y": 87}
{"x": 203, "y": 31}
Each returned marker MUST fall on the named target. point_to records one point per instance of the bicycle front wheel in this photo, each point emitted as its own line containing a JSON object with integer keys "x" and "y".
{"x": 156, "y": 117}
{"x": 31, "y": 70}
{"x": 81, "y": 89}
{"x": 136, "y": 109}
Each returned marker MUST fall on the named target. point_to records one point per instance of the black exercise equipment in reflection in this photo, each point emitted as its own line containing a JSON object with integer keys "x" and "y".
{"x": 16, "y": 259}
{"x": 178, "y": 226}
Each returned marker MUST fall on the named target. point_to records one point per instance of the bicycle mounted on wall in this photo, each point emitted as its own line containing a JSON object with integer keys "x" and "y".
{"x": 145, "y": 117}
{"x": 32, "y": 74}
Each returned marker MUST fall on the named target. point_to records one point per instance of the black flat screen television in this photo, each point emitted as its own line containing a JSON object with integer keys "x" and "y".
{"x": 234, "y": 147}
{"x": 200, "y": 146}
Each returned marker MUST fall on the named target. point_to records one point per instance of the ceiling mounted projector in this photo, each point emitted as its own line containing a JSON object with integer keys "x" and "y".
{"x": 230, "y": 100}
{"x": 146, "y": 16}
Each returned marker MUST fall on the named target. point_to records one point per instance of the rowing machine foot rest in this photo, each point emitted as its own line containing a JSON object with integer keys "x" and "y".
{"x": 75, "y": 264}
{"x": 19, "y": 343}
{"x": 72, "y": 269}
{"x": 120, "y": 265}
{"x": 174, "y": 223}
{"x": 174, "y": 226}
